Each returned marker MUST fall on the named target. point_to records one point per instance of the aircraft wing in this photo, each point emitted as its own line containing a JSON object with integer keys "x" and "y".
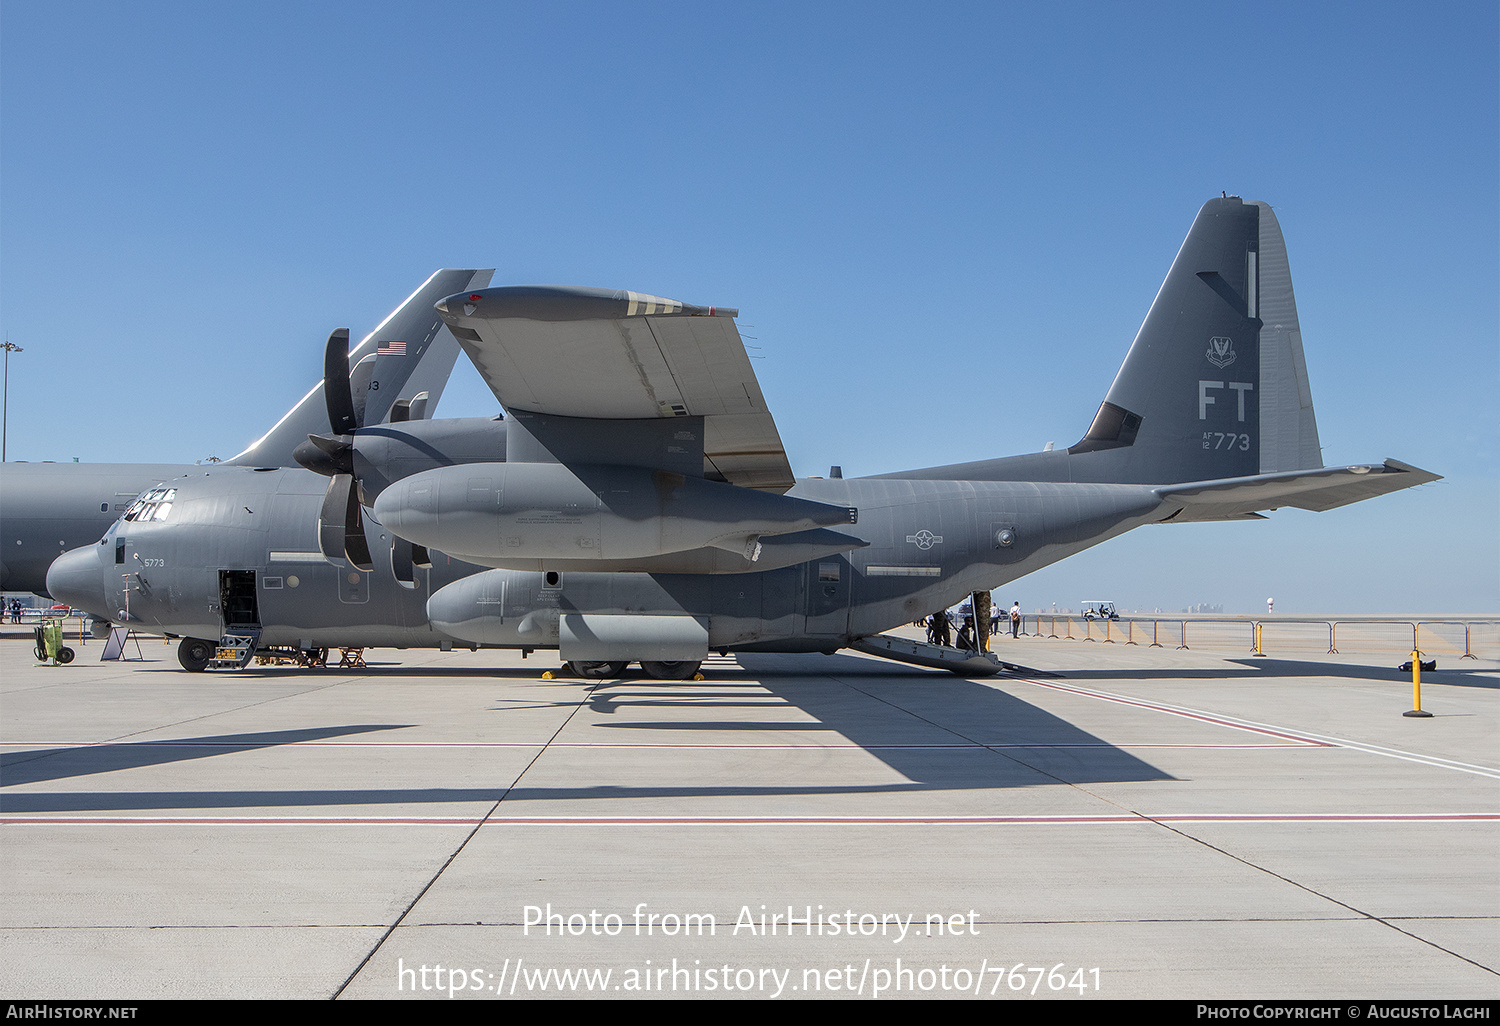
{"x": 617, "y": 355}
{"x": 1317, "y": 490}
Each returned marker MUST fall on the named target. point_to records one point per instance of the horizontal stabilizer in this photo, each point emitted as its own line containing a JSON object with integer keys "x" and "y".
{"x": 1317, "y": 490}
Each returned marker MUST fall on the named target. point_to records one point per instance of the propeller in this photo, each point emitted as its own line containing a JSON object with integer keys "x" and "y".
{"x": 341, "y": 523}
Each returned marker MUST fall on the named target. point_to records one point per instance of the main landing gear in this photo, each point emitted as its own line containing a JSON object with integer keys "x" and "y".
{"x": 598, "y": 671}
{"x": 680, "y": 670}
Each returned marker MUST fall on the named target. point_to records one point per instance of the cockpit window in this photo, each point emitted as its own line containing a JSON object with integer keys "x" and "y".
{"x": 154, "y": 505}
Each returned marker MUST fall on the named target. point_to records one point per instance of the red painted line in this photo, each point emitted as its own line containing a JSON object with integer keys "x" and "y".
{"x": 234, "y": 821}
{"x": 1330, "y": 817}
{"x": 1080, "y": 820}
{"x": 615, "y": 745}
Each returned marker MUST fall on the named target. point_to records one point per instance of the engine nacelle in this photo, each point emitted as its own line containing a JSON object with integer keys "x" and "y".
{"x": 498, "y": 513}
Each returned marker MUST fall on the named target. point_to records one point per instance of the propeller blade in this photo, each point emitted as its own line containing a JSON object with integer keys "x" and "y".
{"x": 337, "y": 392}
{"x": 331, "y": 516}
{"x": 341, "y": 524}
{"x": 356, "y": 547}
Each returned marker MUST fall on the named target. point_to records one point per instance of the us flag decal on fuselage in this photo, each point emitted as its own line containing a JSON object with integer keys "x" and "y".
{"x": 391, "y": 349}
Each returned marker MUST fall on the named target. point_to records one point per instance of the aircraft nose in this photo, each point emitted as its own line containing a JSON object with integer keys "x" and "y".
{"x": 75, "y": 578}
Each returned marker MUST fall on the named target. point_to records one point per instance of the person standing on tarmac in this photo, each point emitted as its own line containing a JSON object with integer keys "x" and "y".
{"x": 937, "y": 631}
{"x": 1015, "y": 619}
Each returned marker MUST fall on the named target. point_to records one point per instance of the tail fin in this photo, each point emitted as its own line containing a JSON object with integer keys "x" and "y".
{"x": 409, "y": 354}
{"x": 1215, "y": 384}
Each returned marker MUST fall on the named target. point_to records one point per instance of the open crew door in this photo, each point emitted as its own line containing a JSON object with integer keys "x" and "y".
{"x": 237, "y": 598}
{"x": 237, "y": 602}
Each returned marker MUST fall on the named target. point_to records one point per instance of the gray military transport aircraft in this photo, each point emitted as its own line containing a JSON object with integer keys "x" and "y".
{"x": 637, "y": 505}
{"x": 49, "y": 508}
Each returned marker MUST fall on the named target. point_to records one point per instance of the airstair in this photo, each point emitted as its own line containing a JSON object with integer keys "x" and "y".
{"x": 962, "y": 661}
{"x": 235, "y": 648}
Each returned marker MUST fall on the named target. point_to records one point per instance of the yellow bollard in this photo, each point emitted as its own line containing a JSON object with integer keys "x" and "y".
{"x": 1416, "y": 685}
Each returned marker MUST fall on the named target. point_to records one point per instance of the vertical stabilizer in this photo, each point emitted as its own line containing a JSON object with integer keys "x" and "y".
{"x": 413, "y": 353}
{"x": 1289, "y": 431}
{"x": 1215, "y": 385}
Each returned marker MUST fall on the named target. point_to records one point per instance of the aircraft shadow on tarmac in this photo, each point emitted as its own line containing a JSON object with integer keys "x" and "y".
{"x": 940, "y": 732}
{"x": 394, "y": 671}
{"x": 36, "y": 765}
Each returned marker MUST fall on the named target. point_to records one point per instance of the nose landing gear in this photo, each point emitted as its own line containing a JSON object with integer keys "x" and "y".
{"x": 195, "y": 654}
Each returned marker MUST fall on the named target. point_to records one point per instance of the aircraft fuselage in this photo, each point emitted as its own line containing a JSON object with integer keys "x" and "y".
{"x": 929, "y": 543}
{"x": 48, "y": 508}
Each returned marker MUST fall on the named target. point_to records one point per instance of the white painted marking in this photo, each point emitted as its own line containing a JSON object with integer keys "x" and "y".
{"x": 1241, "y": 387}
{"x": 1306, "y": 737}
{"x": 811, "y": 746}
{"x": 1204, "y": 399}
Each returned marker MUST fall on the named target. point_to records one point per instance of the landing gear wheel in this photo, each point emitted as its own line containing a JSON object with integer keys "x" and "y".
{"x": 597, "y": 671}
{"x": 670, "y": 671}
{"x": 64, "y": 656}
{"x": 194, "y": 654}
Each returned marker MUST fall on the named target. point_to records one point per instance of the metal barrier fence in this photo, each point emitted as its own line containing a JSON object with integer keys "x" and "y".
{"x": 1461, "y": 638}
{"x": 75, "y": 622}
{"x": 31, "y": 616}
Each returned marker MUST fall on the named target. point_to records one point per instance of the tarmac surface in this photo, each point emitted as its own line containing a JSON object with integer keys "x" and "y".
{"x": 1117, "y": 822}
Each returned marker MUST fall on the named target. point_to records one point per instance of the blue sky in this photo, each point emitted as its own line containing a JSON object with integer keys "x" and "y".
{"x": 942, "y": 225}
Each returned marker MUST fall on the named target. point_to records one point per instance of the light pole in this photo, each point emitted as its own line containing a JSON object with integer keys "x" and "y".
{"x": 10, "y": 347}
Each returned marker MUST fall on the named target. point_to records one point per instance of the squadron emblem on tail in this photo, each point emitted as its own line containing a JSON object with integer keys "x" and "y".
{"x": 1220, "y": 351}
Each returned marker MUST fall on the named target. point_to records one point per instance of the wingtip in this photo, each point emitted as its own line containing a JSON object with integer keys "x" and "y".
{"x": 1406, "y": 468}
